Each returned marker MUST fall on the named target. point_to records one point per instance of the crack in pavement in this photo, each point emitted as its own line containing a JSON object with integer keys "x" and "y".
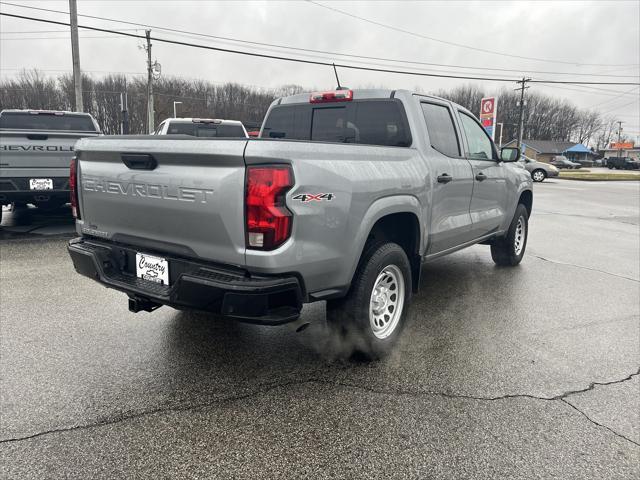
{"x": 617, "y": 434}
{"x": 272, "y": 386}
{"x": 557, "y": 262}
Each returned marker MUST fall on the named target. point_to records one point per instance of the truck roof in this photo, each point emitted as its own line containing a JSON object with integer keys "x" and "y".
{"x": 50, "y": 112}
{"x": 358, "y": 94}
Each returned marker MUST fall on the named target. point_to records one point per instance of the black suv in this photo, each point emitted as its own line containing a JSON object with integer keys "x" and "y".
{"x": 623, "y": 163}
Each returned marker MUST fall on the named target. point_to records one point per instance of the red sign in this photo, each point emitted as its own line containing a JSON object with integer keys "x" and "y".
{"x": 487, "y": 106}
{"x": 622, "y": 146}
{"x": 488, "y": 113}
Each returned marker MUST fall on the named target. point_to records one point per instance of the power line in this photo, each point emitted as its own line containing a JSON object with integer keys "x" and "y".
{"x": 619, "y": 107}
{"x": 460, "y": 45}
{"x": 315, "y": 62}
{"x": 308, "y": 50}
{"x": 616, "y": 97}
{"x": 590, "y": 91}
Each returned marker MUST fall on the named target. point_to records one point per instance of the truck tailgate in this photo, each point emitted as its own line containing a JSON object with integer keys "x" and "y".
{"x": 43, "y": 153}
{"x": 188, "y": 201}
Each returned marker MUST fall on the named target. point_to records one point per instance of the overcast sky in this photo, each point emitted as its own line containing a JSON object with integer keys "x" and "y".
{"x": 593, "y": 37}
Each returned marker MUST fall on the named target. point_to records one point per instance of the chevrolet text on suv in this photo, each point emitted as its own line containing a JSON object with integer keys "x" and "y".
{"x": 343, "y": 198}
{"x": 36, "y": 147}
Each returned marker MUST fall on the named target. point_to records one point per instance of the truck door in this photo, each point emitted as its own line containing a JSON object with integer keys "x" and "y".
{"x": 452, "y": 180}
{"x": 490, "y": 195}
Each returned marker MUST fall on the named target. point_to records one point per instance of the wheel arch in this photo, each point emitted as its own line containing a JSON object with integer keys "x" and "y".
{"x": 395, "y": 219}
{"x": 526, "y": 199}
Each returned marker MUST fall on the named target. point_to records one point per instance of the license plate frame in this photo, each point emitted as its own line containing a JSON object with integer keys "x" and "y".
{"x": 152, "y": 268}
{"x": 41, "y": 184}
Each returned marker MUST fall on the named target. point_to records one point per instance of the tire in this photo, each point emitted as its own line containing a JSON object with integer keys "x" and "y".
{"x": 509, "y": 250}
{"x": 538, "y": 175}
{"x": 610, "y": 167}
{"x": 369, "y": 325}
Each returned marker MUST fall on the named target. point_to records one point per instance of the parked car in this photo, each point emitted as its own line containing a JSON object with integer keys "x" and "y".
{"x": 584, "y": 162}
{"x": 560, "y": 161}
{"x": 623, "y": 163}
{"x": 37, "y": 147}
{"x": 202, "y": 127}
{"x": 343, "y": 198}
{"x": 539, "y": 170}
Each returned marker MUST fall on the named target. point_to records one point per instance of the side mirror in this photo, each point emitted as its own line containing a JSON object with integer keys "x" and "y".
{"x": 509, "y": 154}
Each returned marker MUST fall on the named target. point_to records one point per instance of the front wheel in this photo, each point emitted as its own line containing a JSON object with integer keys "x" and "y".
{"x": 538, "y": 175}
{"x": 370, "y": 318}
{"x": 509, "y": 250}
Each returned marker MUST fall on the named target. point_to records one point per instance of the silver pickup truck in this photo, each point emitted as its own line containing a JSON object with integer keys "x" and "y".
{"x": 342, "y": 199}
{"x": 36, "y": 147}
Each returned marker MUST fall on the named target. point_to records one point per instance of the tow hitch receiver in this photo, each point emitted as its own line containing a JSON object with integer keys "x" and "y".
{"x": 139, "y": 304}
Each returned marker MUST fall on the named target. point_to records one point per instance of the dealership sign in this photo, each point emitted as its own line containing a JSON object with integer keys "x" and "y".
{"x": 488, "y": 113}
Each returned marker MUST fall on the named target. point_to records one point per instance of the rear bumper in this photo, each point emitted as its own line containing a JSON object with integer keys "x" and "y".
{"x": 225, "y": 290}
{"x": 16, "y": 189}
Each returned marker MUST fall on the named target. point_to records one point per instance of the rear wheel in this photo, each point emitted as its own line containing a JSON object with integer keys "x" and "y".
{"x": 370, "y": 318}
{"x": 538, "y": 175}
{"x": 509, "y": 250}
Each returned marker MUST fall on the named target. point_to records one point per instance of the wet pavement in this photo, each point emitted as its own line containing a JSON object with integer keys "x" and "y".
{"x": 528, "y": 372}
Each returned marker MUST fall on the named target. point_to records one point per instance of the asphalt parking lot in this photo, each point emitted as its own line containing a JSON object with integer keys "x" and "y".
{"x": 531, "y": 372}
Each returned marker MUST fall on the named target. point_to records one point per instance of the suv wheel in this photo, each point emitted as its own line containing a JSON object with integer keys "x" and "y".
{"x": 538, "y": 175}
{"x": 370, "y": 318}
{"x": 509, "y": 250}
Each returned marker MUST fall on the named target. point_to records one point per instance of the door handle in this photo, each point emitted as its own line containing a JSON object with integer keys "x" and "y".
{"x": 444, "y": 178}
{"x": 139, "y": 161}
{"x": 481, "y": 176}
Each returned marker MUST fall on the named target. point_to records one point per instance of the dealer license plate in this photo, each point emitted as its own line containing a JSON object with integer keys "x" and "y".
{"x": 154, "y": 269}
{"x": 41, "y": 184}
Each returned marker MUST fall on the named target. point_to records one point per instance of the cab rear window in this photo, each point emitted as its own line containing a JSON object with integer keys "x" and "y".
{"x": 205, "y": 130}
{"x": 46, "y": 121}
{"x": 367, "y": 122}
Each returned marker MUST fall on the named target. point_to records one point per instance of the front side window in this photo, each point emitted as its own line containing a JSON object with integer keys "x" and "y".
{"x": 442, "y": 132}
{"x": 479, "y": 143}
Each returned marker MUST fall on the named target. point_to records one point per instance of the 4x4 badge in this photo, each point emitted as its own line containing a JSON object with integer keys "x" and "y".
{"x": 314, "y": 197}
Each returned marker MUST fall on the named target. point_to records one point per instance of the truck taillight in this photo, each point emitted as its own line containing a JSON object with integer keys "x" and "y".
{"x": 73, "y": 187}
{"x": 268, "y": 220}
{"x": 333, "y": 96}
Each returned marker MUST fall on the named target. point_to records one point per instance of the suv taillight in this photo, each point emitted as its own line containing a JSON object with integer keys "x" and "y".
{"x": 73, "y": 187}
{"x": 268, "y": 220}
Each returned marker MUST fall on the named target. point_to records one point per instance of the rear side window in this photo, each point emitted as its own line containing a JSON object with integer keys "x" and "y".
{"x": 46, "y": 121}
{"x": 442, "y": 133}
{"x": 368, "y": 122}
{"x": 205, "y": 130}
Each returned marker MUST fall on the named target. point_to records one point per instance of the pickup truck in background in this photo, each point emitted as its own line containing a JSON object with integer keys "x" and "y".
{"x": 202, "y": 127}
{"x": 622, "y": 163}
{"x": 342, "y": 199}
{"x": 36, "y": 148}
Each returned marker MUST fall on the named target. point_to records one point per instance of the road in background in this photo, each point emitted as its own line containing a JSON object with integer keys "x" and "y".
{"x": 530, "y": 372}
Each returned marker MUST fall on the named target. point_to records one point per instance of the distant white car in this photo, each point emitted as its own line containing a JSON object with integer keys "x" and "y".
{"x": 202, "y": 127}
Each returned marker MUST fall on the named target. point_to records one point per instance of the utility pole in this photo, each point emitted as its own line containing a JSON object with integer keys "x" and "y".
{"x": 75, "y": 55}
{"x": 620, "y": 122}
{"x": 150, "y": 112}
{"x": 522, "y": 88}
{"x": 124, "y": 127}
